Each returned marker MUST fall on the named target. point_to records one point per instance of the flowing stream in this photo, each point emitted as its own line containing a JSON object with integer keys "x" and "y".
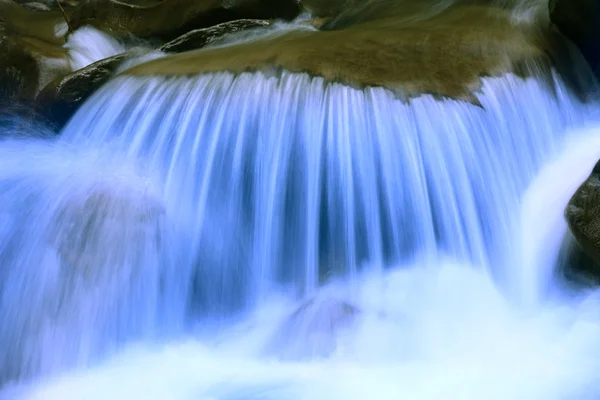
{"x": 276, "y": 236}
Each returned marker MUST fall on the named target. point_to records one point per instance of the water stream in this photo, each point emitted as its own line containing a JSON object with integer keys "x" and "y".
{"x": 276, "y": 236}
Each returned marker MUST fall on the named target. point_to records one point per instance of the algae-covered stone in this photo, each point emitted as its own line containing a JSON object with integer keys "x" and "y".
{"x": 445, "y": 54}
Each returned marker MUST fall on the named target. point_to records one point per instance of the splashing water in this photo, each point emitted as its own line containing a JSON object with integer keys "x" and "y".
{"x": 189, "y": 215}
{"x": 87, "y": 45}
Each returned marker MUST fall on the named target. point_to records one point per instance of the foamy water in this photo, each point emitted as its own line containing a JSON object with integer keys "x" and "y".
{"x": 422, "y": 333}
{"x": 174, "y": 241}
{"x": 87, "y": 45}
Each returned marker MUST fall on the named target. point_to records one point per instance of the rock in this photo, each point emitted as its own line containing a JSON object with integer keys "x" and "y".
{"x": 313, "y": 329}
{"x": 49, "y": 26}
{"x": 19, "y": 71}
{"x": 27, "y": 65}
{"x": 575, "y": 265}
{"x": 62, "y": 97}
{"x": 200, "y": 38}
{"x": 169, "y": 19}
{"x": 446, "y": 54}
{"x": 579, "y": 21}
{"x": 325, "y": 8}
{"x": 583, "y": 216}
{"x": 36, "y": 6}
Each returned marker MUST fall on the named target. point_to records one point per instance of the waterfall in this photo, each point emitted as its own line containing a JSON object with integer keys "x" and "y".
{"x": 173, "y": 207}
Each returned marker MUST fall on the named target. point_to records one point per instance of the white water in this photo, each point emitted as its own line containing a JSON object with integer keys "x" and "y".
{"x": 87, "y": 45}
{"x": 171, "y": 208}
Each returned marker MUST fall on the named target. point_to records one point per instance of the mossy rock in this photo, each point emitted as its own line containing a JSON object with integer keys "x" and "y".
{"x": 446, "y": 54}
{"x": 27, "y": 65}
{"x": 48, "y": 27}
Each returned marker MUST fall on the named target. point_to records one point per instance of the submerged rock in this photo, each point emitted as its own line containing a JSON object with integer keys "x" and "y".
{"x": 313, "y": 329}
{"x": 444, "y": 54}
{"x": 200, "y": 38}
{"x": 62, "y": 97}
{"x": 168, "y": 19}
{"x": 579, "y": 21}
{"x": 583, "y": 217}
{"x": 575, "y": 264}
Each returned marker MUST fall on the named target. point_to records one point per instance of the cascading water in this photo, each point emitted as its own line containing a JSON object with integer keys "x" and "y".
{"x": 170, "y": 207}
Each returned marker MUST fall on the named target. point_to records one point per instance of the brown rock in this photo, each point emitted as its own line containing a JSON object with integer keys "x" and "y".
{"x": 446, "y": 54}
{"x": 24, "y": 22}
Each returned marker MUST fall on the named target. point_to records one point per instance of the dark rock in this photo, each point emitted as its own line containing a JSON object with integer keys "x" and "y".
{"x": 575, "y": 265}
{"x": 169, "y": 19}
{"x": 19, "y": 70}
{"x": 583, "y": 217}
{"x": 579, "y": 20}
{"x": 23, "y": 22}
{"x": 199, "y": 38}
{"x": 62, "y": 97}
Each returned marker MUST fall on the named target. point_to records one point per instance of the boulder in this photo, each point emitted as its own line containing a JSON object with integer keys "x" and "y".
{"x": 27, "y": 65}
{"x": 444, "y": 54}
{"x": 200, "y": 38}
{"x": 169, "y": 19}
{"x": 579, "y": 21}
{"x": 62, "y": 97}
{"x": 19, "y": 71}
{"x": 583, "y": 216}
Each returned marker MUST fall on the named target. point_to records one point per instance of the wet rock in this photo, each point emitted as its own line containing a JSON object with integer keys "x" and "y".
{"x": 575, "y": 264}
{"x": 200, "y": 38}
{"x": 583, "y": 217}
{"x": 62, "y": 97}
{"x": 18, "y": 71}
{"x": 36, "y": 6}
{"x": 169, "y": 19}
{"x": 444, "y": 54}
{"x": 27, "y": 65}
{"x": 313, "y": 329}
{"x": 49, "y": 26}
{"x": 579, "y": 21}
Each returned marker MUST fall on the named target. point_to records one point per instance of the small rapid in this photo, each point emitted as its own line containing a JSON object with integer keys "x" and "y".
{"x": 277, "y": 236}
